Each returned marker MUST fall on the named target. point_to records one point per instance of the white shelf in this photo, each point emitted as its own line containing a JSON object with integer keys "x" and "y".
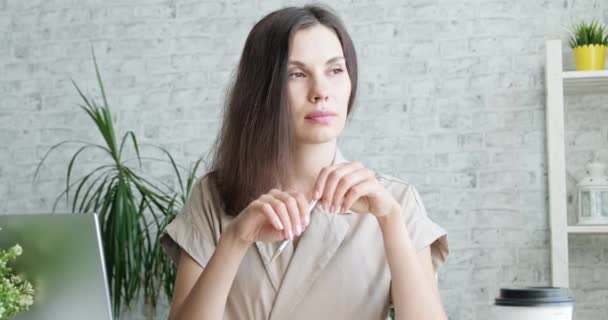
{"x": 588, "y": 229}
{"x": 559, "y": 83}
{"x": 555, "y": 80}
{"x": 585, "y": 82}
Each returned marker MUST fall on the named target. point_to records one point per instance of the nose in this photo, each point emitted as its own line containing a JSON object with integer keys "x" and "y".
{"x": 319, "y": 91}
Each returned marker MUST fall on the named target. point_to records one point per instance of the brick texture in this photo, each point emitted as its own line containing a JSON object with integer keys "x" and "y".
{"x": 451, "y": 99}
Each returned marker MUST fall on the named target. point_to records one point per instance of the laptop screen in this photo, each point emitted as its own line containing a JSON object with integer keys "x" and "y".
{"x": 62, "y": 258}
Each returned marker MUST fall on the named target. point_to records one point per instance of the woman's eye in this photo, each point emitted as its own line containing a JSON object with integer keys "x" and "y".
{"x": 336, "y": 71}
{"x": 296, "y": 75}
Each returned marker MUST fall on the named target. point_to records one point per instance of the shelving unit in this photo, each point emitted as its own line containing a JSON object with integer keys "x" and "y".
{"x": 559, "y": 83}
{"x": 587, "y": 229}
{"x": 585, "y": 82}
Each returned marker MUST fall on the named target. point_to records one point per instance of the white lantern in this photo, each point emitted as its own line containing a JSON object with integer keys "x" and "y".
{"x": 593, "y": 195}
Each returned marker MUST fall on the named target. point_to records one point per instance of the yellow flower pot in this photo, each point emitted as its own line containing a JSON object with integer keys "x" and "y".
{"x": 590, "y": 57}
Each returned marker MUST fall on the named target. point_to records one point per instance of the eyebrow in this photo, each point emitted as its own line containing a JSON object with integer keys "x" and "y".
{"x": 330, "y": 61}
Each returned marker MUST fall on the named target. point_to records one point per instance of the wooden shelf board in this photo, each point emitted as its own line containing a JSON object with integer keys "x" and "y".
{"x": 585, "y": 82}
{"x": 588, "y": 229}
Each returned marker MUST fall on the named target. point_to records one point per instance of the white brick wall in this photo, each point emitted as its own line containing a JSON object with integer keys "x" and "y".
{"x": 451, "y": 99}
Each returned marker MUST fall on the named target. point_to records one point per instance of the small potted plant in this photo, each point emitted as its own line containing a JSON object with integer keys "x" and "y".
{"x": 588, "y": 42}
{"x": 16, "y": 293}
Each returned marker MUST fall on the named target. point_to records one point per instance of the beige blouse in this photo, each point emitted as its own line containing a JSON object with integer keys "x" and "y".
{"x": 337, "y": 271}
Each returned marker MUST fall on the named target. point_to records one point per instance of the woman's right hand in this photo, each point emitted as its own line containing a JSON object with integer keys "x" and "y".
{"x": 274, "y": 216}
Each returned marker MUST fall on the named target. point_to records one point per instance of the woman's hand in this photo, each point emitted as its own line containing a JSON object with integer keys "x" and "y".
{"x": 350, "y": 185}
{"x": 274, "y": 216}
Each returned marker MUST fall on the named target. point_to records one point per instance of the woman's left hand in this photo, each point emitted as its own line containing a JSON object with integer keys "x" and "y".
{"x": 351, "y": 185}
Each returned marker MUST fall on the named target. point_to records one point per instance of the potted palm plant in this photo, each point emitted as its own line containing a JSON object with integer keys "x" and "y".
{"x": 133, "y": 208}
{"x": 588, "y": 42}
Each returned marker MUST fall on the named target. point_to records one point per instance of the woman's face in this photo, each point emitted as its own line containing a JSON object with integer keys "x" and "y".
{"x": 318, "y": 85}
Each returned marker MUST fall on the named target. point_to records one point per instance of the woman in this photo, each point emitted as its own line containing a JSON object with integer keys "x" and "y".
{"x": 366, "y": 244}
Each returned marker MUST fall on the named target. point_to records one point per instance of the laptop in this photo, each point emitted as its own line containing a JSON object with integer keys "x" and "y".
{"x": 63, "y": 259}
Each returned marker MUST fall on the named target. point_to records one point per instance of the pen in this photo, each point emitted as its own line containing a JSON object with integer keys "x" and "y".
{"x": 286, "y": 241}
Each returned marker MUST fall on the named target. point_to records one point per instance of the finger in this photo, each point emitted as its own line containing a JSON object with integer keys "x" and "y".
{"x": 303, "y": 206}
{"x": 360, "y": 190}
{"x": 285, "y": 221}
{"x": 268, "y": 200}
{"x": 347, "y": 182}
{"x": 281, "y": 210}
{"x": 293, "y": 210}
{"x": 321, "y": 179}
{"x": 270, "y": 215}
{"x": 333, "y": 179}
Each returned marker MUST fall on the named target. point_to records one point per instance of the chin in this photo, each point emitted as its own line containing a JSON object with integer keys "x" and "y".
{"x": 319, "y": 140}
{"x": 318, "y": 136}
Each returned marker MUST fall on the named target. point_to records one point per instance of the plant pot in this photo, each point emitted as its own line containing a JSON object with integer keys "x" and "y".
{"x": 590, "y": 57}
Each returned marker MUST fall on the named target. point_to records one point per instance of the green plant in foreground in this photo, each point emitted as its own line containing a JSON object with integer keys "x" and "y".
{"x": 133, "y": 210}
{"x": 588, "y": 34}
{"x": 16, "y": 294}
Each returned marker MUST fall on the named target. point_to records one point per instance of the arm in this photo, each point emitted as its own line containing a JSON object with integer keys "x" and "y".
{"x": 202, "y": 293}
{"x": 414, "y": 289}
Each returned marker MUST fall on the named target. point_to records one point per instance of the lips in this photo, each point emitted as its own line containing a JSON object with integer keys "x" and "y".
{"x": 320, "y": 114}
{"x": 320, "y": 117}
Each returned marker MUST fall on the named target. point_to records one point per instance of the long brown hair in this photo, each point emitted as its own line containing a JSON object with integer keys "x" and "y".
{"x": 254, "y": 148}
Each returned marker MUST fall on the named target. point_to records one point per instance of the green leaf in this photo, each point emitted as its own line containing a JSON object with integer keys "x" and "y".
{"x": 99, "y": 81}
{"x": 174, "y": 165}
{"x": 70, "y": 166}
{"x": 84, "y": 180}
{"x": 86, "y": 101}
{"x": 95, "y": 202}
{"x": 106, "y": 175}
{"x": 62, "y": 194}
{"x": 46, "y": 155}
{"x": 588, "y": 34}
{"x": 135, "y": 145}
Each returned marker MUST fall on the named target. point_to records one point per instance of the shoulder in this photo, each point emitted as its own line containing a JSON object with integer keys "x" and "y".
{"x": 204, "y": 202}
{"x": 204, "y": 189}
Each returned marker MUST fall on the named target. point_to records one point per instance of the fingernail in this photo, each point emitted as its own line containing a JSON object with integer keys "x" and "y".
{"x": 317, "y": 195}
{"x": 290, "y": 235}
{"x": 341, "y": 210}
{"x": 333, "y": 209}
{"x": 307, "y": 219}
{"x": 298, "y": 230}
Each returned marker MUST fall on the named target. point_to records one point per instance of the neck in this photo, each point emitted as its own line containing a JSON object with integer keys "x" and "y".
{"x": 309, "y": 160}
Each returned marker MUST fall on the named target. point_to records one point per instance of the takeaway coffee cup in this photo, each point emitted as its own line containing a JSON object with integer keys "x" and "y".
{"x": 533, "y": 303}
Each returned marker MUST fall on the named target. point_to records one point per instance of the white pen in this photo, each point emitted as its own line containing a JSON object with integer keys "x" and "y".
{"x": 284, "y": 243}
